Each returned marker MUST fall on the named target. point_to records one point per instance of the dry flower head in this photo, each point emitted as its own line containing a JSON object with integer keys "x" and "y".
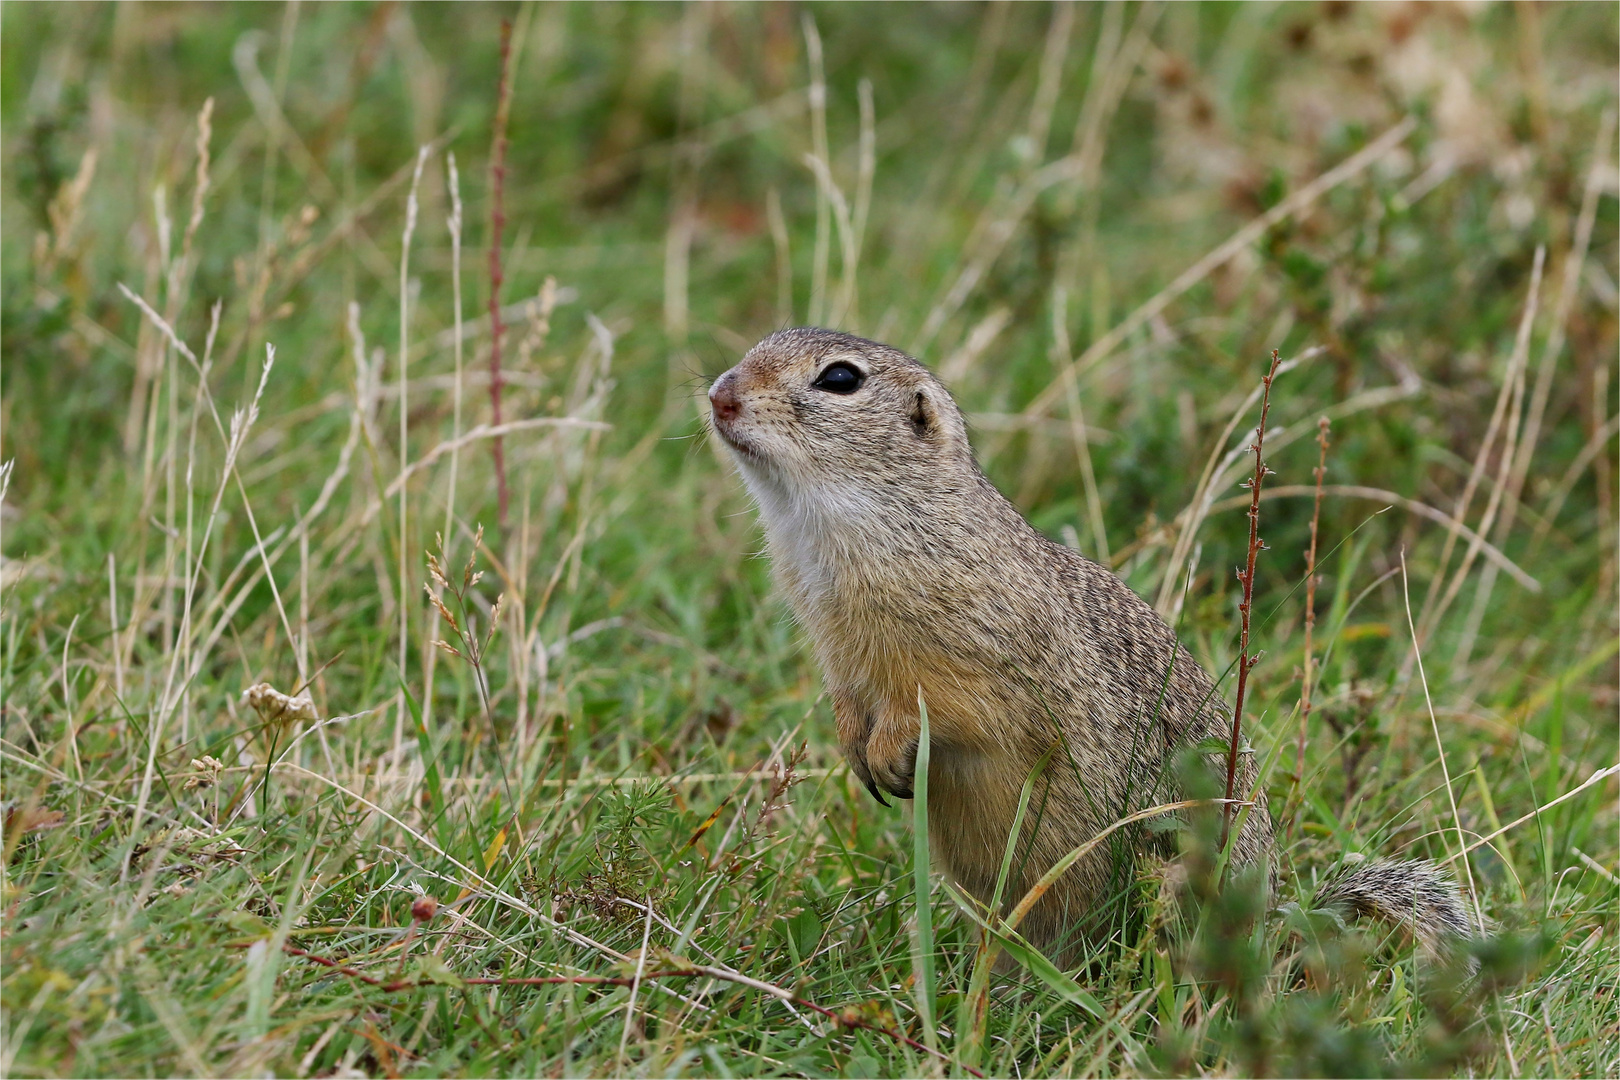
{"x": 274, "y": 707}
{"x": 207, "y": 775}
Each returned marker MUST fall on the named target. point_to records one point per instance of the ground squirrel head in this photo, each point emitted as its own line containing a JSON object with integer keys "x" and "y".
{"x": 815, "y": 412}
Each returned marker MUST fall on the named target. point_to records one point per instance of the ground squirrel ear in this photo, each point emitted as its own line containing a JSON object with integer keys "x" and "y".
{"x": 922, "y": 415}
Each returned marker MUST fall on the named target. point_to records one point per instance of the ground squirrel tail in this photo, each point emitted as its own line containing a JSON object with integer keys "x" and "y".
{"x": 1417, "y": 895}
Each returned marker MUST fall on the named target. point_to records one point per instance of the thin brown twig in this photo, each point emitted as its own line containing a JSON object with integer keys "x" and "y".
{"x": 1310, "y": 606}
{"x": 1246, "y": 576}
{"x": 497, "y": 219}
{"x": 847, "y": 1017}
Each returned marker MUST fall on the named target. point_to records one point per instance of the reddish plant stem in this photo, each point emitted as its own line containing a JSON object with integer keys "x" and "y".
{"x": 845, "y": 1018}
{"x": 1310, "y": 608}
{"x": 1246, "y": 576}
{"x": 497, "y": 219}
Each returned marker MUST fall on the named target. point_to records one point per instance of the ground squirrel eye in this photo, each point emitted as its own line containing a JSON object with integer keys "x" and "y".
{"x": 840, "y": 378}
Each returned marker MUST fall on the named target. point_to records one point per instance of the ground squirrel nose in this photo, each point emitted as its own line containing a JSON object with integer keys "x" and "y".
{"x": 723, "y": 397}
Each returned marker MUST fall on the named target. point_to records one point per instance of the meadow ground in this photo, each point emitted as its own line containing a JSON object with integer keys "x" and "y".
{"x": 617, "y": 781}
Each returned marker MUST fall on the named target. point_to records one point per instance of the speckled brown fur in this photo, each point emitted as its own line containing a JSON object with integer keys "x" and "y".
{"x": 910, "y": 571}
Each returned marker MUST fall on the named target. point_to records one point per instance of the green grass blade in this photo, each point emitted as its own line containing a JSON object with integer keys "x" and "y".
{"x": 923, "y": 943}
{"x": 1029, "y": 956}
{"x": 974, "y": 1014}
{"x": 430, "y": 771}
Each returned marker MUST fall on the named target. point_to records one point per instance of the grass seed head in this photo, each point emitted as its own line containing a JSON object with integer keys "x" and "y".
{"x": 494, "y": 619}
{"x": 444, "y": 612}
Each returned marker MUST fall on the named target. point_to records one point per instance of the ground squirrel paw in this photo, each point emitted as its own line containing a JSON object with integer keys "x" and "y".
{"x": 892, "y": 763}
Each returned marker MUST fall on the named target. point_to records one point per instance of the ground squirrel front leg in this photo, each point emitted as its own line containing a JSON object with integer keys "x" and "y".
{"x": 854, "y": 727}
{"x": 891, "y": 750}
{"x": 880, "y": 745}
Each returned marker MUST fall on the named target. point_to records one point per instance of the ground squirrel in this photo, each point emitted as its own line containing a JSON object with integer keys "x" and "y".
{"x": 912, "y": 573}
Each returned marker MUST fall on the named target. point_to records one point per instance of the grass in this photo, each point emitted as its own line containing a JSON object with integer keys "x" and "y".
{"x": 622, "y": 789}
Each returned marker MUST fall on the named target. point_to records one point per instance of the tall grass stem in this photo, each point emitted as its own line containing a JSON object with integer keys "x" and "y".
{"x": 404, "y": 443}
{"x": 497, "y": 219}
{"x": 1306, "y": 679}
{"x": 923, "y": 944}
